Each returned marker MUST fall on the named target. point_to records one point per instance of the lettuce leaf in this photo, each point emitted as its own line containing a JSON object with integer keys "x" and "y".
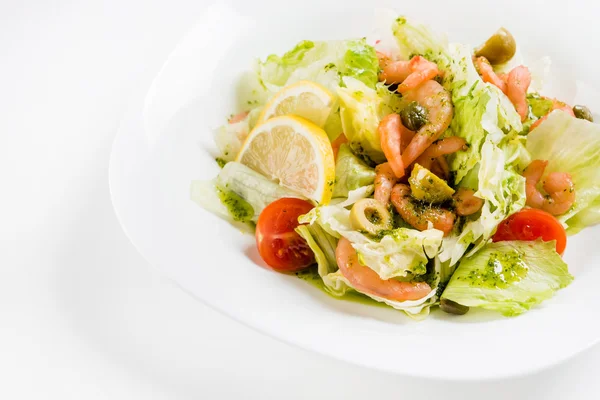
{"x": 572, "y": 145}
{"x": 321, "y": 62}
{"x": 246, "y": 183}
{"x": 503, "y": 190}
{"x": 509, "y": 277}
{"x": 361, "y": 110}
{"x": 414, "y": 38}
{"x": 480, "y": 109}
{"x": 350, "y": 172}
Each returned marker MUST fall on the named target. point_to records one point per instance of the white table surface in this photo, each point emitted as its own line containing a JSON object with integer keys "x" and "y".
{"x": 83, "y": 316}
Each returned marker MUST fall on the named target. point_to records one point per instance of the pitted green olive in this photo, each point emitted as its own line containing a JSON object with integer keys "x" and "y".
{"x": 371, "y": 216}
{"x": 499, "y": 48}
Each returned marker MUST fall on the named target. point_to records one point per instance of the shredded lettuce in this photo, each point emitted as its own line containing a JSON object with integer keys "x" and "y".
{"x": 401, "y": 252}
{"x": 321, "y": 62}
{"x": 413, "y": 39}
{"x": 480, "y": 109}
{"x": 509, "y": 277}
{"x": 503, "y": 190}
{"x": 350, "y": 172}
{"x": 361, "y": 110}
{"x": 572, "y": 145}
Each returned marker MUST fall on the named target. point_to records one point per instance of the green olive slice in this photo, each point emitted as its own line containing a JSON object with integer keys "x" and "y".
{"x": 499, "y": 48}
{"x": 371, "y": 216}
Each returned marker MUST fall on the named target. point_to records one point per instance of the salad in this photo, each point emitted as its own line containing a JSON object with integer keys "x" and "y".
{"x": 410, "y": 171}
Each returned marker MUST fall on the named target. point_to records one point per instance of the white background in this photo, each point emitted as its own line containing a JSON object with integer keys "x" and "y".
{"x": 82, "y": 315}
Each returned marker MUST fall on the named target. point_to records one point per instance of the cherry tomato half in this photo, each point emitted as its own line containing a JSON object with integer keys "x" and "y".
{"x": 278, "y": 244}
{"x": 531, "y": 224}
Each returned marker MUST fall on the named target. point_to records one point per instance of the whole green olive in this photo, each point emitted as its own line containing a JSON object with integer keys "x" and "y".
{"x": 582, "y": 112}
{"x": 499, "y": 48}
{"x": 414, "y": 116}
{"x": 452, "y": 307}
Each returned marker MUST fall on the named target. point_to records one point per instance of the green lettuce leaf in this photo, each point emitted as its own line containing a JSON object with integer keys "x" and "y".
{"x": 572, "y": 145}
{"x": 350, "y": 172}
{"x": 251, "y": 187}
{"x": 417, "y": 39}
{"x": 503, "y": 190}
{"x": 361, "y": 110}
{"x": 321, "y": 62}
{"x": 480, "y": 109}
{"x": 509, "y": 277}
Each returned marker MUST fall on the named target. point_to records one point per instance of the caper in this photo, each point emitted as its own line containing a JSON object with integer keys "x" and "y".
{"x": 371, "y": 216}
{"x": 413, "y": 116}
{"x": 499, "y": 48}
{"x": 452, "y": 307}
{"x": 582, "y": 112}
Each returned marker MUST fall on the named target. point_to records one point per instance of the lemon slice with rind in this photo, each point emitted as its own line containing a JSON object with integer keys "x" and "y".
{"x": 293, "y": 152}
{"x": 303, "y": 99}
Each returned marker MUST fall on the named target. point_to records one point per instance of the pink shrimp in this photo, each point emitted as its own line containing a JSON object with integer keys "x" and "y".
{"x": 408, "y": 74}
{"x": 384, "y": 61}
{"x": 441, "y": 168}
{"x": 465, "y": 202}
{"x": 385, "y": 179}
{"x": 517, "y": 83}
{"x": 438, "y": 103}
{"x": 238, "y": 117}
{"x": 365, "y": 280}
{"x": 488, "y": 75}
{"x": 440, "y": 148}
{"x": 556, "y": 105}
{"x": 390, "y": 134}
{"x": 335, "y": 145}
{"x": 419, "y": 216}
{"x": 514, "y": 85}
{"x": 558, "y": 186}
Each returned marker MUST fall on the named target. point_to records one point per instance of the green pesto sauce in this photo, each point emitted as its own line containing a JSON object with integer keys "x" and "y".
{"x": 239, "y": 208}
{"x": 539, "y": 106}
{"x": 311, "y": 276}
{"x": 501, "y": 270}
{"x": 221, "y": 162}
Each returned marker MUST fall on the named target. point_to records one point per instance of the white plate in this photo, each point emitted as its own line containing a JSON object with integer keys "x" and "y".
{"x": 165, "y": 142}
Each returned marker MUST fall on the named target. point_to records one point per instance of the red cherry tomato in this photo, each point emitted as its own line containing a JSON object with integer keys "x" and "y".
{"x": 531, "y": 224}
{"x": 278, "y": 244}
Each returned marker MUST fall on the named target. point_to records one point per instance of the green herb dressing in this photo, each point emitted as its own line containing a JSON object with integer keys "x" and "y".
{"x": 501, "y": 270}
{"x": 239, "y": 208}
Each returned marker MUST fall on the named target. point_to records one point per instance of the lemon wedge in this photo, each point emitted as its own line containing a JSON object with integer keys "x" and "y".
{"x": 427, "y": 186}
{"x": 293, "y": 152}
{"x": 304, "y": 99}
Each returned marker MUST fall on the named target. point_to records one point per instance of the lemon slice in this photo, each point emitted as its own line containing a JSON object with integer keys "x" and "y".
{"x": 426, "y": 186}
{"x": 293, "y": 152}
{"x": 304, "y": 99}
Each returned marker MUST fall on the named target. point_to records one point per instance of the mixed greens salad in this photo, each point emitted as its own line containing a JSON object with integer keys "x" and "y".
{"x": 413, "y": 171}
